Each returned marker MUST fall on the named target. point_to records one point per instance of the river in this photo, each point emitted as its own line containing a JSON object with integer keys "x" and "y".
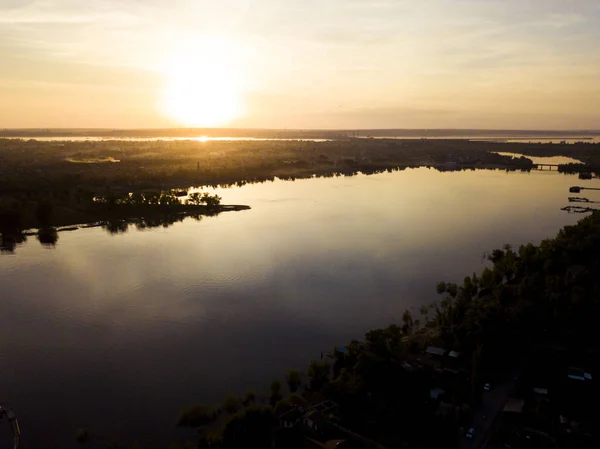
{"x": 116, "y": 333}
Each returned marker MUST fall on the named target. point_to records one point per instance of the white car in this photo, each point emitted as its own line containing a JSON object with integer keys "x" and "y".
{"x": 470, "y": 433}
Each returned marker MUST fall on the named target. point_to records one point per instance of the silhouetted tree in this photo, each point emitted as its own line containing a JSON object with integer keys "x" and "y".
{"x": 82, "y": 436}
{"x": 424, "y": 310}
{"x": 47, "y": 236}
{"x": 116, "y": 226}
{"x": 288, "y": 403}
{"x": 276, "y": 392}
{"x": 232, "y": 404}
{"x": 318, "y": 372}
{"x": 441, "y": 287}
{"x": 249, "y": 398}
{"x": 196, "y": 416}
{"x": 251, "y": 428}
{"x": 407, "y": 319}
{"x": 293, "y": 380}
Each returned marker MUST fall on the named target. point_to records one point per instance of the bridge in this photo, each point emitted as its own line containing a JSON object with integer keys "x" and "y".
{"x": 544, "y": 166}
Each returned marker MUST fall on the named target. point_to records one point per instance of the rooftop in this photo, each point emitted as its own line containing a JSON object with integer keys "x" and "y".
{"x": 435, "y": 351}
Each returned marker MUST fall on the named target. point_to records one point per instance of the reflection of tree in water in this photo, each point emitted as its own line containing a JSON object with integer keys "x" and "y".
{"x": 48, "y": 236}
{"x": 156, "y": 222}
{"x": 10, "y": 240}
{"x": 121, "y": 226}
{"x": 116, "y": 226}
{"x": 199, "y": 217}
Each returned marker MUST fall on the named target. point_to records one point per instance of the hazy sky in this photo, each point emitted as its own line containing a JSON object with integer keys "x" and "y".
{"x": 300, "y": 63}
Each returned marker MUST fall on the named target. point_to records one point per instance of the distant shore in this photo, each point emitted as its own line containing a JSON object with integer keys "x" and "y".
{"x": 300, "y": 133}
{"x": 67, "y": 176}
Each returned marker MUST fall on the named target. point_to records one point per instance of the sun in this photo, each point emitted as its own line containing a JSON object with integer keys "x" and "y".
{"x": 202, "y": 84}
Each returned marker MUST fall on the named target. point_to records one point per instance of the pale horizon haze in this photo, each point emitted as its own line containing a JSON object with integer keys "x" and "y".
{"x": 490, "y": 64}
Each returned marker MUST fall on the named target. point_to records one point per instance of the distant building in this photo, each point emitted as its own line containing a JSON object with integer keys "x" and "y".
{"x": 313, "y": 421}
{"x": 292, "y": 418}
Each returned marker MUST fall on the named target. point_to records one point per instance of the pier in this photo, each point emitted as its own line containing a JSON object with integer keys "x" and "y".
{"x": 577, "y": 189}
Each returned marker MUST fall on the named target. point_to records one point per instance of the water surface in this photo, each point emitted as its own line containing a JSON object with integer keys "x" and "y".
{"x": 117, "y": 333}
{"x": 545, "y": 159}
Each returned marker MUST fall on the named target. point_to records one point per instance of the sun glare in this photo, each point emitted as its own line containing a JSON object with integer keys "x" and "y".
{"x": 202, "y": 84}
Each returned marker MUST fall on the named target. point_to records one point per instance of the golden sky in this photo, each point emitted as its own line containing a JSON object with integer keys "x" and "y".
{"x": 300, "y": 63}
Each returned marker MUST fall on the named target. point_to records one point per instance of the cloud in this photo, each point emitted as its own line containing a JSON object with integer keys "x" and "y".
{"x": 313, "y": 55}
{"x": 66, "y": 12}
{"x": 562, "y": 20}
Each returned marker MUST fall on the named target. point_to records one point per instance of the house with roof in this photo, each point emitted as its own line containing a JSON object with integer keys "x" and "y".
{"x": 291, "y": 418}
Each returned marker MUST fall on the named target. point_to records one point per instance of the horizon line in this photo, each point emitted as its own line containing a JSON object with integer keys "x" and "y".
{"x": 42, "y": 128}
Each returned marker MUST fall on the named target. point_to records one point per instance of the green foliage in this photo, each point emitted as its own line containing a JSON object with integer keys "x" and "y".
{"x": 195, "y": 199}
{"x": 487, "y": 278}
{"x": 44, "y": 213}
{"x": 288, "y": 403}
{"x": 152, "y": 198}
{"x": 496, "y": 256}
{"x": 536, "y": 293}
{"x": 293, "y": 380}
{"x": 168, "y": 199}
{"x": 232, "y": 404}
{"x": 249, "y": 399}
{"x": 452, "y": 289}
{"x": 82, "y": 436}
{"x": 542, "y": 295}
{"x": 276, "y": 387}
{"x": 204, "y": 198}
{"x": 212, "y": 201}
{"x": 424, "y": 311}
{"x": 276, "y": 392}
{"x": 441, "y": 288}
{"x": 251, "y": 428}
{"x": 196, "y": 416}
{"x": 296, "y": 400}
{"x": 47, "y": 236}
{"x": 407, "y": 319}
{"x": 11, "y": 214}
{"x": 318, "y": 372}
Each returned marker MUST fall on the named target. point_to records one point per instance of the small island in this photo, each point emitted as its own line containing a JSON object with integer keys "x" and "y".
{"x": 112, "y": 211}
